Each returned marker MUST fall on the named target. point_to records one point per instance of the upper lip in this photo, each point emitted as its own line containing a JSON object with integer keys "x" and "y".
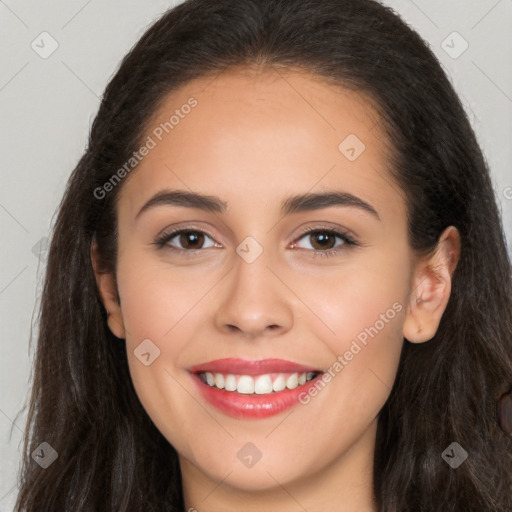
{"x": 251, "y": 367}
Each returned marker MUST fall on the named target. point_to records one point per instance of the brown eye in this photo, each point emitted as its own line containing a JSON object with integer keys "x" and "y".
{"x": 184, "y": 240}
{"x": 326, "y": 242}
{"x": 191, "y": 239}
{"x": 323, "y": 240}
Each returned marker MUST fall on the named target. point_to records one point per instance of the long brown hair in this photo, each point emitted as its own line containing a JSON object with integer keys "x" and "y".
{"x": 110, "y": 455}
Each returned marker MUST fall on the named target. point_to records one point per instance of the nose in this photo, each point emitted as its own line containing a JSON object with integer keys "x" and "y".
{"x": 254, "y": 301}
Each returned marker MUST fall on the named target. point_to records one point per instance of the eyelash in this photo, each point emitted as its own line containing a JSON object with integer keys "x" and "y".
{"x": 348, "y": 241}
{"x": 163, "y": 240}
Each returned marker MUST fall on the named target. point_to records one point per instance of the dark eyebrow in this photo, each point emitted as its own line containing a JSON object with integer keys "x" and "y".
{"x": 294, "y": 204}
{"x": 187, "y": 199}
{"x": 307, "y": 202}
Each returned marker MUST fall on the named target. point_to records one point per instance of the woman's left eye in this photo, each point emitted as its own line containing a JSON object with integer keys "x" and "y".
{"x": 324, "y": 238}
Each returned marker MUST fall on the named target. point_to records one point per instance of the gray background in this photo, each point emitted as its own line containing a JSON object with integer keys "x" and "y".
{"x": 47, "y": 106}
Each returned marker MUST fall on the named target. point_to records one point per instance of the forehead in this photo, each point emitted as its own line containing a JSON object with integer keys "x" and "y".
{"x": 254, "y": 136}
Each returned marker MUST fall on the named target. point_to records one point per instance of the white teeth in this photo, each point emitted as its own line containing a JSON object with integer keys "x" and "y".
{"x": 230, "y": 383}
{"x": 245, "y": 385}
{"x": 263, "y": 385}
{"x": 219, "y": 380}
{"x": 279, "y": 384}
{"x": 260, "y": 385}
{"x": 293, "y": 381}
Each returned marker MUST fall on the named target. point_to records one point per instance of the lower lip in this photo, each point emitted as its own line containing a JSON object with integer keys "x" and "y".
{"x": 252, "y": 406}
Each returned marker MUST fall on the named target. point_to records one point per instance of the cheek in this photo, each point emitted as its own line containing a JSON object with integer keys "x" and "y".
{"x": 163, "y": 305}
{"x": 362, "y": 310}
{"x": 365, "y": 353}
{"x": 364, "y": 299}
{"x": 157, "y": 300}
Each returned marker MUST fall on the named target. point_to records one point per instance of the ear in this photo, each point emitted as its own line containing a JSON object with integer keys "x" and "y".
{"x": 107, "y": 288}
{"x": 432, "y": 284}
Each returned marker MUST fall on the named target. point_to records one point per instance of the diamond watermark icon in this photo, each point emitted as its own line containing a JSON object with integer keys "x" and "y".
{"x": 351, "y": 147}
{"x": 454, "y": 455}
{"x": 454, "y": 45}
{"x": 40, "y": 249}
{"x": 249, "y": 249}
{"x": 44, "y": 455}
{"x": 44, "y": 45}
{"x": 249, "y": 455}
{"x": 146, "y": 352}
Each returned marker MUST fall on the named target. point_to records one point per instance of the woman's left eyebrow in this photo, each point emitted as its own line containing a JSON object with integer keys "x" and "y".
{"x": 290, "y": 205}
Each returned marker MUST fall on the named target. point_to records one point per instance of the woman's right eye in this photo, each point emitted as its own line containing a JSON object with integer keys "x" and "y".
{"x": 189, "y": 239}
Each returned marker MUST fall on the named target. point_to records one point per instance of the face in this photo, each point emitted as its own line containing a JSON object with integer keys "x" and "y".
{"x": 260, "y": 286}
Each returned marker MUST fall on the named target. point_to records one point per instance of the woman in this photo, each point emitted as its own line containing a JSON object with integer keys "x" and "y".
{"x": 260, "y": 367}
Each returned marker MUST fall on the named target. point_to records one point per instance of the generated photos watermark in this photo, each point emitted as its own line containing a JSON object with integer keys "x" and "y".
{"x": 150, "y": 143}
{"x": 354, "y": 349}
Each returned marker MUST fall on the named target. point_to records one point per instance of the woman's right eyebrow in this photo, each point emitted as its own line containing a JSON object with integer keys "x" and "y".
{"x": 290, "y": 205}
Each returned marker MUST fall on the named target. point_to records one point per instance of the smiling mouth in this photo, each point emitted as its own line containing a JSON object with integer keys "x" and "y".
{"x": 264, "y": 384}
{"x": 253, "y": 389}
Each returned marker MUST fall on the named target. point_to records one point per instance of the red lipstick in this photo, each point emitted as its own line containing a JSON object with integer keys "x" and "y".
{"x": 258, "y": 400}
{"x": 247, "y": 367}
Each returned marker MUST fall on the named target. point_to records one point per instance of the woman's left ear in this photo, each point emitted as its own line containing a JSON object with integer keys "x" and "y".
{"x": 432, "y": 284}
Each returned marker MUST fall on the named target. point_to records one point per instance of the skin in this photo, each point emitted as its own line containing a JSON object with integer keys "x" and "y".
{"x": 256, "y": 137}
